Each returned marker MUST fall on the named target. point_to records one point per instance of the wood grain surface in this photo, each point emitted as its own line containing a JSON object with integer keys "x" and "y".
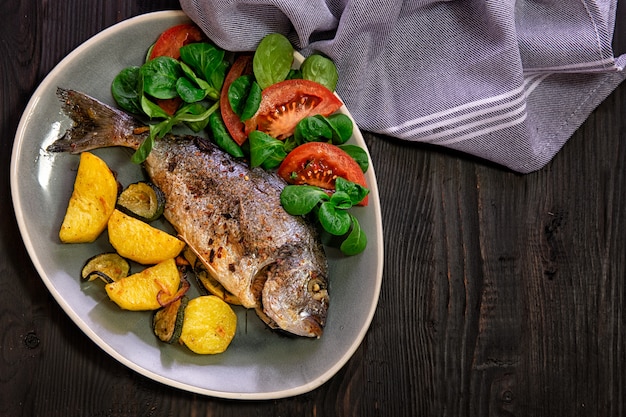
{"x": 503, "y": 294}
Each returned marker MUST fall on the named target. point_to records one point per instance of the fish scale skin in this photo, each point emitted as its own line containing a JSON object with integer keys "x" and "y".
{"x": 233, "y": 219}
{"x": 229, "y": 214}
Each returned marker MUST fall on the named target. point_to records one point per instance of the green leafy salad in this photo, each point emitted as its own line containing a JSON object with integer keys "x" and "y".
{"x": 260, "y": 107}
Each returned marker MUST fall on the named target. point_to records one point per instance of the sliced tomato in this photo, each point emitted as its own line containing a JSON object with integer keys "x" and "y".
{"x": 236, "y": 128}
{"x": 172, "y": 39}
{"x": 285, "y": 103}
{"x": 319, "y": 164}
{"x": 169, "y": 105}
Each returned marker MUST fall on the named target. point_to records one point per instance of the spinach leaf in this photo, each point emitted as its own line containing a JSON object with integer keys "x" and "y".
{"x": 356, "y": 241}
{"x": 156, "y": 131}
{"x": 294, "y": 74}
{"x": 188, "y": 91}
{"x": 290, "y": 143}
{"x": 358, "y": 154}
{"x": 342, "y": 127}
{"x": 218, "y": 75}
{"x": 221, "y": 136}
{"x": 336, "y": 128}
{"x": 334, "y": 220}
{"x": 152, "y": 110}
{"x": 338, "y": 227}
{"x": 127, "y": 89}
{"x": 320, "y": 69}
{"x": 207, "y": 89}
{"x": 195, "y": 115}
{"x": 159, "y": 77}
{"x": 355, "y": 192}
{"x": 144, "y": 149}
{"x": 313, "y": 129}
{"x": 341, "y": 200}
{"x": 272, "y": 60}
{"x": 199, "y": 82}
{"x": 244, "y": 96}
{"x": 205, "y": 59}
{"x": 253, "y": 101}
{"x": 301, "y": 199}
{"x": 265, "y": 151}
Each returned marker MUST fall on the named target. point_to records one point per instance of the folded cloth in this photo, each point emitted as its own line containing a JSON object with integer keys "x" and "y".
{"x": 507, "y": 81}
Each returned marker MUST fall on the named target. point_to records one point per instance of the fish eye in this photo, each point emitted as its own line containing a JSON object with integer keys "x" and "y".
{"x": 318, "y": 289}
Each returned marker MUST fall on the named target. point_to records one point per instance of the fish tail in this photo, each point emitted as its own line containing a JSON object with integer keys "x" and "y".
{"x": 95, "y": 125}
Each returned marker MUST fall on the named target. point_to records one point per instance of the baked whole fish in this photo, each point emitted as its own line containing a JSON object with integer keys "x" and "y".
{"x": 229, "y": 214}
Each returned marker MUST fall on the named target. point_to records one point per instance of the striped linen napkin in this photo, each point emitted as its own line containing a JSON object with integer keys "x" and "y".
{"x": 507, "y": 81}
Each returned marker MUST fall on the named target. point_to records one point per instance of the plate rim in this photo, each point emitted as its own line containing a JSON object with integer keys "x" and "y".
{"x": 86, "y": 329}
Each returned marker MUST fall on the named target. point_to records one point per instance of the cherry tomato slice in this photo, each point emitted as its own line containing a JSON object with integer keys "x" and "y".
{"x": 285, "y": 103}
{"x": 319, "y": 164}
{"x": 236, "y": 128}
{"x": 172, "y": 39}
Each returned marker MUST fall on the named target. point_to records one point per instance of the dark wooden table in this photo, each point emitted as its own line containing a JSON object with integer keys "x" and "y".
{"x": 503, "y": 294}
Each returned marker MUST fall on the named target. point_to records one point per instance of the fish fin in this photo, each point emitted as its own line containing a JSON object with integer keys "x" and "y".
{"x": 95, "y": 125}
{"x": 210, "y": 269}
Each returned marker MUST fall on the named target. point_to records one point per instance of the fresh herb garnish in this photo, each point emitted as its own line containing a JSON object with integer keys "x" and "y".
{"x": 320, "y": 69}
{"x": 195, "y": 79}
{"x": 272, "y": 60}
{"x": 331, "y": 211}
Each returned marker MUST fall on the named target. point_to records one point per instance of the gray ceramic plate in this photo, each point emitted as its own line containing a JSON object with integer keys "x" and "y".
{"x": 259, "y": 364}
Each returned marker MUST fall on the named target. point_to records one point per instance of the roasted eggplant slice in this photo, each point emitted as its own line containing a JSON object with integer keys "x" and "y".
{"x": 167, "y": 322}
{"x": 142, "y": 200}
{"x": 109, "y": 267}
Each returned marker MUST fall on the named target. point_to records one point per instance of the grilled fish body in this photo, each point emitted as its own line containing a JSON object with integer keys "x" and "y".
{"x": 229, "y": 215}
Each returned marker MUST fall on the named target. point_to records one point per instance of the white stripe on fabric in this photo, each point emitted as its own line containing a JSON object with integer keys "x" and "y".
{"x": 478, "y": 113}
{"x": 478, "y": 123}
{"x": 443, "y": 113}
{"x": 513, "y": 108}
{"x": 603, "y": 65}
{"x": 485, "y": 131}
{"x": 535, "y": 81}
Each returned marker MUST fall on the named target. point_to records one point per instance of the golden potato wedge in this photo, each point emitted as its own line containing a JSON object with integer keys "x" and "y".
{"x": 209, "y": 325}
{"x": 140, "y": 291}
{"x": 92, "y": 202}
{"x": 141, "y": 242}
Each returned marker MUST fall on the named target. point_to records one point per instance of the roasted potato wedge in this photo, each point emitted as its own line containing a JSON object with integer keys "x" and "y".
{"x": 92, "y": 202}
{"x": 138, "y": 241}
{"x": 140, "y": 291}
{"x": 209, "y": 325}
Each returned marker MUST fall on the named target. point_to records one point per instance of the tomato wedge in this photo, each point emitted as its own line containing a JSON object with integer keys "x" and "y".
{"x": 169, "y": 105}
{"x": 285, "y": 103}
{"x": 319, "y": 164}
{"x": 172, "y": 39}
{"x": 236, "y": 128}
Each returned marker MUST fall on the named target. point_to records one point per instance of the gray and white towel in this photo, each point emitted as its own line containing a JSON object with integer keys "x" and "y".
{"x": 508, "y": 81}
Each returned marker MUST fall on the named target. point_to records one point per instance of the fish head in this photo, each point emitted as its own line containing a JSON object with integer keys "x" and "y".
{"x": 295, "y": 294}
